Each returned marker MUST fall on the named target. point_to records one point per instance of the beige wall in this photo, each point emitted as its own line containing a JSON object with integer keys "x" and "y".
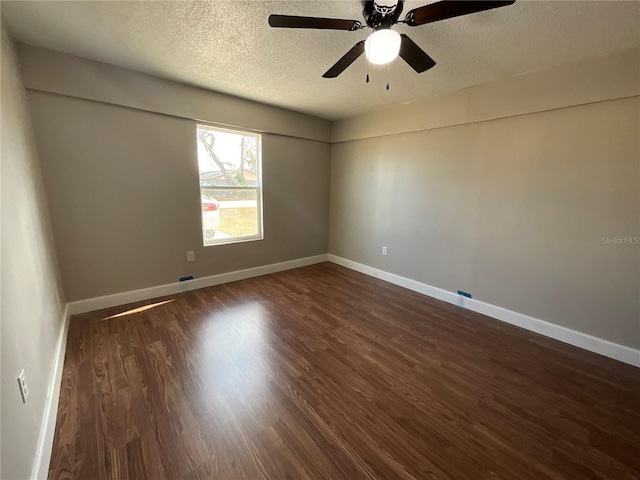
{"x": 592, "y": 80}
{"x": 119, "y": 159}
{"x": 125, "y": 203}
{"x": 32, "y": 300}
{"x": 504, "y": 190}
{"x": 51, "y": 71}
{"x": 512, "y": 210}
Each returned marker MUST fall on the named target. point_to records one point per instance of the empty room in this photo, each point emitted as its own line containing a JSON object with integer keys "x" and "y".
{"x": 336, "y": 239}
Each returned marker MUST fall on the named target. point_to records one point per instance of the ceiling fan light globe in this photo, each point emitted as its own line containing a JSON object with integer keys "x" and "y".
{"x": 382, "y": 46}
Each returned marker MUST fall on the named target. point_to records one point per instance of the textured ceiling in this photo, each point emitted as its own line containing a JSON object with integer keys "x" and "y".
{"x": 227, "y": 46}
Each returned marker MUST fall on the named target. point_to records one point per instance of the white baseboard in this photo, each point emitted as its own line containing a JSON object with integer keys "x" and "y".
{"x": 563, "y": 334}
{"x": 47, "y": 430}
{"x": 557, "y": 332}
{"x": 97, "y": 303}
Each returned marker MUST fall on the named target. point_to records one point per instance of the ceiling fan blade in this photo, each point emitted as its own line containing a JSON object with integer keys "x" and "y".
{"x": 414, "y": 55}
{"x": 291, "y": 21}
{"x": 345, "y": 61}
{"x": 435, "y": 12}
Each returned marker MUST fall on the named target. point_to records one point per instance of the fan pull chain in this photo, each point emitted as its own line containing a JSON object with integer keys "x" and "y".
{"x": 367, "y": 78}
{"x": 388, "y": 65}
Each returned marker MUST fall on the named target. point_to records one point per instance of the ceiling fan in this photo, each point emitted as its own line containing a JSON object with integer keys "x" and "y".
{"x": 385, "y": 44}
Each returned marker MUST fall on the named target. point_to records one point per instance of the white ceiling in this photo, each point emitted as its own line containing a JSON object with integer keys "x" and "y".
{"x": 227, "y": 46}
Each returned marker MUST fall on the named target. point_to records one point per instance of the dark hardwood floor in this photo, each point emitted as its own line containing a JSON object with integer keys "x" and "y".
{"x": 322, "y": 372}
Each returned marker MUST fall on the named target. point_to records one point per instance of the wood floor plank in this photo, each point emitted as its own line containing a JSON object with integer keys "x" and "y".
{"x": 325, "y": 373}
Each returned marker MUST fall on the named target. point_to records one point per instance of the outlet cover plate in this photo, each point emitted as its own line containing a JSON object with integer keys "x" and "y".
{"x": 22, "y": 384}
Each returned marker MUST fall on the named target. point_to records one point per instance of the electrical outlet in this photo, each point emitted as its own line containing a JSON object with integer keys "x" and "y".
{"x": 22, "y": 383}
{"x": 385, "y": 250}
{"x": 190, "y": 256}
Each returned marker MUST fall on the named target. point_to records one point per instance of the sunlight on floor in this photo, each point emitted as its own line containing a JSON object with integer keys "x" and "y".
{"x": 138, "y": 310}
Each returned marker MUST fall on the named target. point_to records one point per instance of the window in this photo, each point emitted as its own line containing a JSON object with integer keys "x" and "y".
{"x": 230, "y": 185}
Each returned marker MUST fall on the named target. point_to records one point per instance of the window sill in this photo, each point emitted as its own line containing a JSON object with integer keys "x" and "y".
{"x": 227, "y": 241}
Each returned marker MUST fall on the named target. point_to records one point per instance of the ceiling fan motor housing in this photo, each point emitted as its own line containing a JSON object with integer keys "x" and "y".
{"x": 381, "y": 13}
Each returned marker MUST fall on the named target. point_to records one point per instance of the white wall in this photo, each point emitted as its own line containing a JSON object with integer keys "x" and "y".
{"x": 32, "y": 299}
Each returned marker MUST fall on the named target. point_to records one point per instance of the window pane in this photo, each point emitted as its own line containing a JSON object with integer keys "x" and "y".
{"x": 229, "y": 177}
{"x": 227, "y": 158}
{"x": 229, "y": 214}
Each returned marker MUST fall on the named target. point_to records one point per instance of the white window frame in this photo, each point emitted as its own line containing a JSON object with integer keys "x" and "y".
{"x": 257, "y": 189}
